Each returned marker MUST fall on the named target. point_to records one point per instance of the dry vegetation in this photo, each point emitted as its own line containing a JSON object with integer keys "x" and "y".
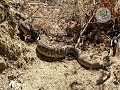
{"x": 59, "y": 22}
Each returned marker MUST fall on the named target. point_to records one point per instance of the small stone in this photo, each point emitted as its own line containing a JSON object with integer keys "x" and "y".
{"x": 3, "y": 65}
{"x": 15, "y": 85}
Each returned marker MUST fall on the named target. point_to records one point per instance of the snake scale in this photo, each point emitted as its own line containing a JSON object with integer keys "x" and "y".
{"x": 61, "y": 52}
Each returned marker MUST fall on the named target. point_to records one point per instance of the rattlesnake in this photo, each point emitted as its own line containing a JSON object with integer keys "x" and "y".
{"x": 60, "y": 52}
{"x": 63, "y": 51}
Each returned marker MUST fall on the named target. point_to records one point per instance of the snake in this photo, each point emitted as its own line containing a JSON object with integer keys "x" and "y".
{"x": 60, "y": 52}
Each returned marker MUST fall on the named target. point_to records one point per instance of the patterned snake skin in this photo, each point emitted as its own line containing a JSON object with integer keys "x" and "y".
{"x": 60, "y": 52}
{"x": 63, "y": 51}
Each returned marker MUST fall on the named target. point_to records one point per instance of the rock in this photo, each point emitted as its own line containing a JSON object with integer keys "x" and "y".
{"x": 15, "y": 85}
{"x": 3, "y": 64}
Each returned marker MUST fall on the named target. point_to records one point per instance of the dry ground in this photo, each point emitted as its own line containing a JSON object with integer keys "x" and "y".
{"x": 26, "y": 71}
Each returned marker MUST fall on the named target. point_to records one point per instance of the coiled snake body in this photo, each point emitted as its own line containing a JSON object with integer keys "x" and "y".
{"x": 60, "y": 52}
{"x": 63, "y": 51}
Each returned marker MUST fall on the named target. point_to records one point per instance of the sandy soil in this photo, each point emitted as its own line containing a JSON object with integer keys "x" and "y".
{"x": 25, "y": 71}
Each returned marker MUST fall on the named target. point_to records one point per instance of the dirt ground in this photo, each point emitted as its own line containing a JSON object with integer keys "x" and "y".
{"x": 26, "y": 71}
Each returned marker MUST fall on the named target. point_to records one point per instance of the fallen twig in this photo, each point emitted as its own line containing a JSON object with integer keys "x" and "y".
{"x": 81, "y": 33}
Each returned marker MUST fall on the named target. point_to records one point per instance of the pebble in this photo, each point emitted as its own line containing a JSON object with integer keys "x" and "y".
{"x": 14, "y": 85}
